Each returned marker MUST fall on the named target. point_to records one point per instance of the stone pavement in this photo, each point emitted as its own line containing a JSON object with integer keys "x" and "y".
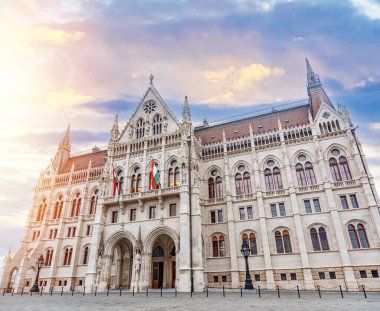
{"x": 199, "y": 301}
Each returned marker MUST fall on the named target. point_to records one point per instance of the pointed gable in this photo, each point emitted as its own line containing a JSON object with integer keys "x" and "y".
{"x": 151, "y": 107}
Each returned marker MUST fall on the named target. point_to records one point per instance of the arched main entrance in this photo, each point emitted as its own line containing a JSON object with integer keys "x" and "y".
{"x": 121, "y": 264}
{"x": 12, "y": 280}
{"x": 163, "y": 262}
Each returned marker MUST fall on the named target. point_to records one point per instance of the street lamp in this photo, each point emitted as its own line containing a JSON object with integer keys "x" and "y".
{"x": 39, "y": 264}
{"x": 245, "y": 250}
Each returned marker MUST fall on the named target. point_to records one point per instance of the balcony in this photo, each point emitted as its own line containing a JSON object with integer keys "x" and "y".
{"x": 243, "y": 197}
{"x": 306, "y": 189}
{"x": 145, "y": 195}
{"x": 215, "y": 201}
{"x": 274, "y": 193}
{"x": 345, "y": 184}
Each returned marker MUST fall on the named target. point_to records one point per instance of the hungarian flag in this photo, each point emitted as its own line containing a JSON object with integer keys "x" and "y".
{"x": 115, "y": 185}
{"x": 154, "y": 177}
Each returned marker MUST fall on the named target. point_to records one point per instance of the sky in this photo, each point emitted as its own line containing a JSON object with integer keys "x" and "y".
{"x": 80, "y": 62}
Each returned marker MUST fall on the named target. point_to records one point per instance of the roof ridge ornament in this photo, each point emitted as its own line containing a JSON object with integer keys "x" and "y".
{"x": 151, "y": 78}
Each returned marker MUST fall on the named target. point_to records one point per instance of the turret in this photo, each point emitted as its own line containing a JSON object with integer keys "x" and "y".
{"x": 63, "y": 153}
{"x": 186, "y": 111}
{"x": 317, "y": 95}
{"x": 115, "y": 129}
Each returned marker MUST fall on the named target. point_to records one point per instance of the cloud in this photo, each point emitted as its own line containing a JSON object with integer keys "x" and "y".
{"x": 67, "y": 97}
{"x": 111, "y": 106}
{"x": 57, "y": 37}
{"x": 237, "y": 81}
{"x": 370, "y": 8}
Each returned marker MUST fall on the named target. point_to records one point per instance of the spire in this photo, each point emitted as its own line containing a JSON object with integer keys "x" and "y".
{"x": 186, "y": 111}
{"x": 115, "y": 129}
{"x": 313, "y": 81}
{"x": 66, "y": 139}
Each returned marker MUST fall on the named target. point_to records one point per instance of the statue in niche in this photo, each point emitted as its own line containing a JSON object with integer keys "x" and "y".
{"x": 99, "y": 268}
{"x": 165, "y": 124}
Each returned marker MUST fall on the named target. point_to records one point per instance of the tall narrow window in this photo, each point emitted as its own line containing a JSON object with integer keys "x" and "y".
{"x": 268, "y": 180}
{"x": 301, "y": 177}
{"x": 315, "y": 239}
{"x": 152, "y": 212}
{"x": 136, "y": 180}
{"x": 344, "y": 168}
{"x": 252, "y": 243}
{"x": 211, "y": 188}
{"x": 279, "y": 242}
{"x": 323, "y": 239}
{"x": 343, "y": 201}
{"x": 76, "y": 205}
{"x": 287, "y": 243}
{"x": 273, "y": 208}
{"x": 242, "y": 213}
{"x": 307, "y": 206}
{"x": 310, "y": 176}
{"x": 85, "y": 255}
{"x": 334, "y": 169}
{"x": 41, "y": 210}
{"x": 173, "y": 174}
{"x": 250, "y": 212}
{"x": 354, "y": 201}
{"x": 239, "y": 184}
{"x": 317, "y": 206}
{"x": 277, "y": 178}
{"x": 173, "y": 210}
{"x": 353, "y": 236}
{"x": 281, "y": 207}
{"x": 115, "y": 215}
{"x": 157, "y": 124}
{"x": 362, "y": 236}
{"x": 242, "y": 181}
{"x": 93, "y": 202}
{"x": 58, "y": 208}
{"x": 140, "y": 128}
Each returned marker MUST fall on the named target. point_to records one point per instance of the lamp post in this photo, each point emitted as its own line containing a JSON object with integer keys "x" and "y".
{"x": 245, "y": 250}
{"x": 39, "y": 264}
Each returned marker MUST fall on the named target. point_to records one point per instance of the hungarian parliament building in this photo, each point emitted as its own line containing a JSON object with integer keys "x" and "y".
{"x": 168, "y": 204}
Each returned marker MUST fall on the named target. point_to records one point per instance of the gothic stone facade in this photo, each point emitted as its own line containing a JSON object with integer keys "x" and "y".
{"x": 293, "y": 182}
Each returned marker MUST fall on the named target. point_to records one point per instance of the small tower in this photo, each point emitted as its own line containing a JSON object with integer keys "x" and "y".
{"x": 317, "y": 95}
{"x": 115, "y": 129}
{"x": 63, "y": 153}
{"x": 186, "y": 111}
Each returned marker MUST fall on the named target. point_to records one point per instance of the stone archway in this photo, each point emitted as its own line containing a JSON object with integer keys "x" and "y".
{"x": 12, "y": 280}
{"x": 164, "y": 263}
{"x": 118, "y": 258}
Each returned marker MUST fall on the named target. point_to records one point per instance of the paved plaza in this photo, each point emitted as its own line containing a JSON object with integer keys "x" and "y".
{"x": 199, "y": 301}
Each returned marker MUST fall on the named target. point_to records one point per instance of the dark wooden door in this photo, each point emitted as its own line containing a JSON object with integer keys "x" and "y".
{"x": 173, "y": 274}
{"x": 158, "y": 274}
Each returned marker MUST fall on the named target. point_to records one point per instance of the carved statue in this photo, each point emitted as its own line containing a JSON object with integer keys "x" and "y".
{"x": 99, "y": 264}
{"x": 137, "y": 262}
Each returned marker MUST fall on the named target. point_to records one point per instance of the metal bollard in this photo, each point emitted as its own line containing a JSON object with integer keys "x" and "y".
{"x": 84, "y": 290}
{"x": 96, "y": 290}
{"x": 22, "y": 291}
{"x": 133, "y": 291}
{"x": 161, "y": 292}
{"x": 364, "y": 292}
{"x": 42, "y": 288}
{"x": 13, "y": 290}
{"x": 108, "y": 290}
{"x": 319, "y": 291}
{"x": 241, "y": 292}
{"x": 298, "y": 291}
{"x": 206, "y": 291}
{"x": 62, "y": 291}
{"x": 51, "y": 291}
{"x": 191, "y": 293}
{"x": 175, "y": 292}
{"x": 259, "y": 291}
{"x": 278, "y": 291}
{"x": 224, "y": 294}
{"x": 341, "y": 292}
{"x": 119, "y": 290}
{"x": 4, "y": 291}
{"x": 147, "y": 292}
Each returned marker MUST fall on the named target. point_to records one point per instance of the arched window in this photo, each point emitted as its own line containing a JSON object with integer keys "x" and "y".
{"x": 67, "y": 256}
{"x": 215, "y": 186}
{"x": 242, "y": 181}
{"x": 136, "y": 180}
{"x": 41, "y": 210}
{"x": 251, "y": 242}
{"x": 319, "y": 239}
{"x": 305, "y": 172}
{"x": 301, "y": 176}
{"x": 339, "y": 171}
{"x": 75, "y": 205}
{"x": 344, "y": 168}
{"x": 58, "y": 205}
{"x": 158, "y": 252}
{"x": 48, "y": 257}
{"x": 140, "y": 128}
{"x": 119, "y": 181}
{"x": 173, "y": 174}
{"x": 218, "y": 246}
{"x": 93, "y": 202}
{"x": 273, "y": 180}
{"x": 157, "y": 124}
{"x": 358, "y": 236}
{"x": 283, "y": 243}
{"x": 85, "y": 255}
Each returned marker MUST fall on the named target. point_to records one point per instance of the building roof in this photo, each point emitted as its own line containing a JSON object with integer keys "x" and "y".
{"x": 263, "y": 123}
{"x": 97, "y": 157}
